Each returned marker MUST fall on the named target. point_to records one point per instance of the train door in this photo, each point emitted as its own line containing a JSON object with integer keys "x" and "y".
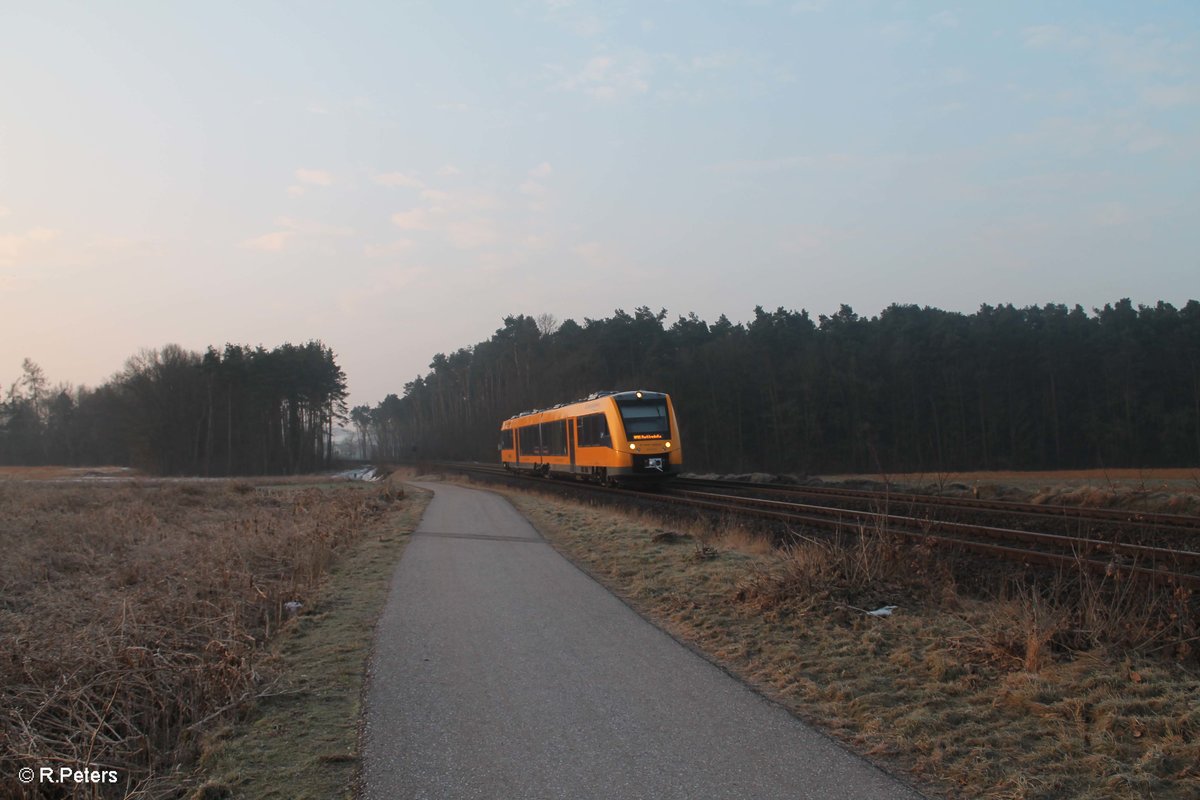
{"x": 570, "y": 423}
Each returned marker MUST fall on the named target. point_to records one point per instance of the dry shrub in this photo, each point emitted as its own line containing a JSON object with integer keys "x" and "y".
{"x": 1023, "y": 624}
{"x": 133, "y": 616}
{"x": 1080, "y": 612}
{"x": 843, "y": 569}
{"x": 742, "y": 539}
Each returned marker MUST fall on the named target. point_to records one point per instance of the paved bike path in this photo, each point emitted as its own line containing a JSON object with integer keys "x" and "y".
{"x": 502, "y": 671}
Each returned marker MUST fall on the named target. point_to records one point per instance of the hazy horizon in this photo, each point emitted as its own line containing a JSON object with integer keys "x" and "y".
{"x": 394, "y": 180}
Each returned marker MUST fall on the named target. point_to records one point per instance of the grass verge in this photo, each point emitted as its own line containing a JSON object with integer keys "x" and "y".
{"x": 970, "y": 695}
{"x": 136, "y": 618}
{"x": 301, "y": 741}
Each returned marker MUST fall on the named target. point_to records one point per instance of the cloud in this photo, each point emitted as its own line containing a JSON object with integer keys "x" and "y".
{"x": 269, "y": 242}
{"x": 17, "y": 246}
{"x": 395, "y": 179}
{"x": 713, "y": 61}
{"x": 456, "y": 108}
{"x": 1078, "y": 137}
{"x": 588, "y": 25}
{"x": 473, "y": 233}
{"x": 1049, "y": 36}
{"x": 449, "y": 170}
{"x": 954, "y": 76}
{"x": 1111, "y": 215}
{"x": 368, "y": 290}
{"x": 314, "y": 177}
{"x": 4, "y": 212}
{"x": 312, "y": 228}
{"x": 809, "y": 6}
{"x": 293, "y": 230}
{"x": 896, "y": 31}
{"x": 944, "y": 19}
{"x": 295, "y": 191}
{"x": 437, "y": 198}
{"x": 387, "y": 250}
{"x": 459, "y": 201}
{"x": 768, "y": 165}
{"x": 537, "y": 242}
{"x": 532, "y": 188}
{"x": 1170, "y": 96}
{"x": 462, "y": 217}
{"x": 1038, "y": 36}
{"x": 1133, "y": 55}
{"x": 580, "y": 21}
{"x": 591, "y": 252}
{"x": 607, "y": 77}
{"x": 806, "y": 239}
{"x": 416, "y": 219}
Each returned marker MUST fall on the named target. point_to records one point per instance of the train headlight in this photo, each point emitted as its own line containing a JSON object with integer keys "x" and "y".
{"x": 639, "y": 395}
{"x": 632, "y": 446}
{"x": 668, "y": 445}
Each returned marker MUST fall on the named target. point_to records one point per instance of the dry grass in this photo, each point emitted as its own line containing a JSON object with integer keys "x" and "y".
{"x": 64, "y": 473}
{"x": 1019, "y": 690}
{"x": 1131, "y": 477}
{"x": 1175, "y": 491}
{"x": 318, "y": 702}
{"x": 133, "y": 617}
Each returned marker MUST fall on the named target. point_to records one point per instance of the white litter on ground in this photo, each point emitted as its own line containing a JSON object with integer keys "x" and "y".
{"x": 360, "y": 474}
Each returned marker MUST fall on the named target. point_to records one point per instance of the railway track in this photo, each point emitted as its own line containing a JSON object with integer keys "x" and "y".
{"x": 1109, "y": 556}
{"x": 1007, "y": 509}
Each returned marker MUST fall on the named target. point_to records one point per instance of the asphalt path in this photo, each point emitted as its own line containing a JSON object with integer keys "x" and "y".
{"x": 502, "y": 671}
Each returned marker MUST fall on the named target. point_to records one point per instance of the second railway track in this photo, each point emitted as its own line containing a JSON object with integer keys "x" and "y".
{"x": 1111, "y": 555}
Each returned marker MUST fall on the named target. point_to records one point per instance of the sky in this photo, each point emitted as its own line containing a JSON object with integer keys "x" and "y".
{"x": 394, "y": 179}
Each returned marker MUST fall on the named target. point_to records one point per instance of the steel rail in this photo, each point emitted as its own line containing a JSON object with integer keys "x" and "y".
{"x": 910, "y": 528}
{"x": 1127, "y": 516}
{"x": 1075, "y": 544}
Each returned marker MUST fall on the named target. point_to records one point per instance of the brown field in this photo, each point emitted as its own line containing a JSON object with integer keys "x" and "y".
{"x": 977, "y": 686}
{"x": 137, "y": 617}
{"x": 1174, "y": 491}
{"x": 1176, "y": 479}
{"x": 317, "y": 698}
{"x": 65, "y": 473}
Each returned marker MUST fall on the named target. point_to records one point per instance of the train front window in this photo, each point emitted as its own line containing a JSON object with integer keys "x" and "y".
{"x": 645, "y": 419}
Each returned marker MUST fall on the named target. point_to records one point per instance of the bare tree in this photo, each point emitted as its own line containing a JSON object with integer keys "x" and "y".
{"x": 547, "y": 324}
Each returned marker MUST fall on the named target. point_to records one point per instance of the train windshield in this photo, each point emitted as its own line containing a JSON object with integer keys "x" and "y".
{"x": 645, "y": 419}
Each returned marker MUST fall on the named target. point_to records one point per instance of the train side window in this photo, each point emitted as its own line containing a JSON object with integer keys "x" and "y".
{"x": 592, "y": 431}
{"x": 530, "y": 440}
{"x": 554, "y": 438}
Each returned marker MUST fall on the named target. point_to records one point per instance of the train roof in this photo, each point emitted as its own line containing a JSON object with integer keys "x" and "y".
{"x": 630, "y": 394}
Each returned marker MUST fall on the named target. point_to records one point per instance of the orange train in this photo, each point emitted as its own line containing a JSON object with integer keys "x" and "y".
{"x": 610, "y": 436}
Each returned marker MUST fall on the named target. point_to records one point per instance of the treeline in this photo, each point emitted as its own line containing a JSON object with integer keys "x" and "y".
{"x": 913, "y": 389}
{"x": 241, "y": 411}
